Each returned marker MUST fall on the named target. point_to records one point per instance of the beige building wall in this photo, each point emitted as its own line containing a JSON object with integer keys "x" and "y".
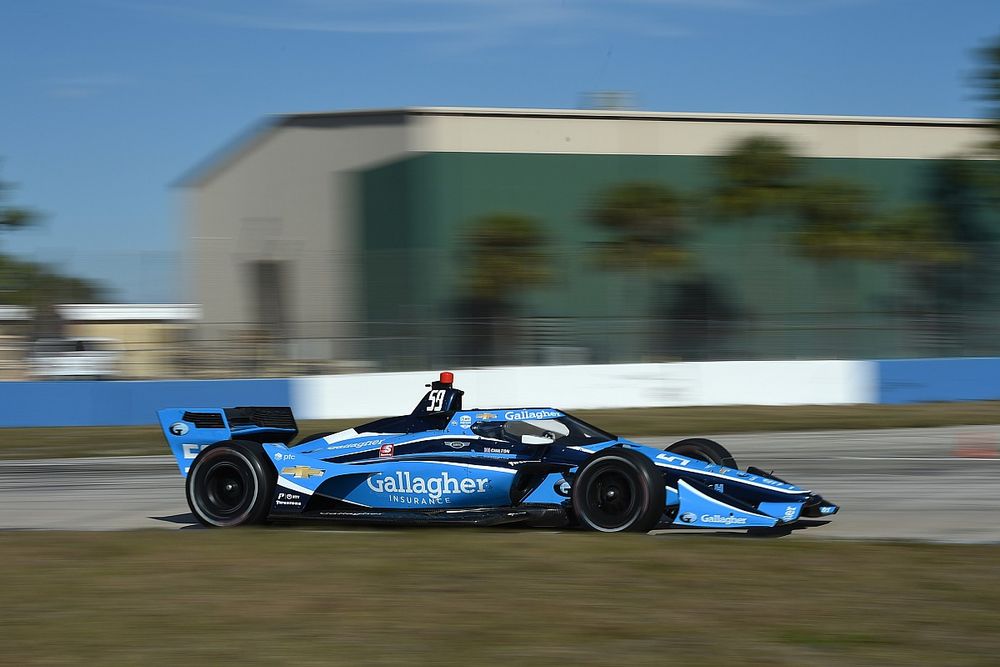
{"x": 646, "y": 133}
{"x": 12, "y": 349}
{"x": 287, "y": 198}
{"x": 149, "y": 349}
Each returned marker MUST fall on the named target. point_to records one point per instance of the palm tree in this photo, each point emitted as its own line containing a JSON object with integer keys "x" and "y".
{"x": 41, "y": 289}
{"x": 13, "y": 217}
{"x": 834, "y": 219}
{"x": 837, "y": 220}
{"x": 758, "y": 174}
{"x": 35, "y": 285}
{"x": 987, "y": 78}
{"x": 647, "y": 227}
{"x": 505, "y": 257}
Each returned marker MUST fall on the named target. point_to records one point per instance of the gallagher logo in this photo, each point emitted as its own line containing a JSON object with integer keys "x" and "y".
{"x": 689, "y": 517}
{"x": 723, "y": 520}
{"x": 433, "y": 489}
{"x": 518, "y": 415}
{"x": 179, "y": 428}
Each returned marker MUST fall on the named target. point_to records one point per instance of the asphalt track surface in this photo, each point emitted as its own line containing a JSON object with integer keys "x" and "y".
{"x": 935, "y": 484}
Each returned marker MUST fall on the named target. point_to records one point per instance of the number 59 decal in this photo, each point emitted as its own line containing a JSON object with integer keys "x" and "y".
{"x": 435, "y": 400}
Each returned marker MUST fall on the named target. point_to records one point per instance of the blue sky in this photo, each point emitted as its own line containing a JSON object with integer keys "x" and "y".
{"x": 104, "y": 103}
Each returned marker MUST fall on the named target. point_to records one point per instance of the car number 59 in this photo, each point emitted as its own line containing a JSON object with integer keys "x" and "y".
{"x": 435, "y": 400}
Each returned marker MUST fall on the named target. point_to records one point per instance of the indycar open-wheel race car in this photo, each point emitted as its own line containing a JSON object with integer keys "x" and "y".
{"x": 442, "y": 464}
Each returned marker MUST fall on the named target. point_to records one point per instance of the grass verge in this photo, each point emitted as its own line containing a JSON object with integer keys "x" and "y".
{"x": 638, "y": 422}
{"x": 466, "y": 596}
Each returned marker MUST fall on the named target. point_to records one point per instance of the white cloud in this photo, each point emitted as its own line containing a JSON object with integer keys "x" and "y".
{"x": 486, "y": 22}
{"x": 769, "y": 7}
{"x": 84, "y": 86}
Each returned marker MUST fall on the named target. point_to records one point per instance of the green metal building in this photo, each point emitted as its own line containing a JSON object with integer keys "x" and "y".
{"x": 347, "y": 234}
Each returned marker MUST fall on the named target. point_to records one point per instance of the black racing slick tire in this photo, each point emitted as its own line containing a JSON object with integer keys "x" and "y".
{"x": 230, "y": 484}
{"x": 618, "y": 490}
{"x": 705, "y": 450}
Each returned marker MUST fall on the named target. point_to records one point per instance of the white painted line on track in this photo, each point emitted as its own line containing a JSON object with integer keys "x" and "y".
{"x": 913, "y": 458}
{"x": 318, "y": 530}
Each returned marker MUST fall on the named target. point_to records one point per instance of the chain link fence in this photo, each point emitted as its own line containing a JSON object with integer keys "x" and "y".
{"x": 413, "y": 310}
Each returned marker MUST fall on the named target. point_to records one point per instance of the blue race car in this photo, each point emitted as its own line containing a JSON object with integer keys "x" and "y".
{"x": 442, "y": 464}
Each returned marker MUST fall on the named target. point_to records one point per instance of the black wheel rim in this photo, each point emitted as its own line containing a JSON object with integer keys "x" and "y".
{"x": 224, "y": 489}
{"x": 612, "y": 498}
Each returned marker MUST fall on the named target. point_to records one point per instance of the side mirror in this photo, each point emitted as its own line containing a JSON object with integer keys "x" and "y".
{"x": 535, "y": 440}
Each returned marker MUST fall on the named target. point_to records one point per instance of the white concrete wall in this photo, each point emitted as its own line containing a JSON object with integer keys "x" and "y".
{"x": 610, "y": 386}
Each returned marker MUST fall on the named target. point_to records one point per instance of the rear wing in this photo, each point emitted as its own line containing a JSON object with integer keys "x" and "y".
{"x": 189, "y": 430}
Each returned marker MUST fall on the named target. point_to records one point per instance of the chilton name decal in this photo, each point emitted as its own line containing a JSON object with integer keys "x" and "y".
{"x": 403, "y": 487}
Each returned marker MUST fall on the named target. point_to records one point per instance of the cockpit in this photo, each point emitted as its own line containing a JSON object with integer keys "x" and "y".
{"x": 564, "y": 430}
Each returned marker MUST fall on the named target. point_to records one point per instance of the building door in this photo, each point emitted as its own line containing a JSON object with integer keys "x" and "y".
{"x": 269, "y": 281}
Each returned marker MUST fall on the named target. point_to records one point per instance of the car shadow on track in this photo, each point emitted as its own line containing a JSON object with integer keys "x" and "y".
{"x": 187, "y": 519}
{"x": 777, "y": 531}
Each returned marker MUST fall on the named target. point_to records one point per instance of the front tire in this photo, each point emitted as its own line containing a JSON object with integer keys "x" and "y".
{"x": 705, "y": 450}
{"x": 231, "y": 484}
{"x": 618, "y": 490}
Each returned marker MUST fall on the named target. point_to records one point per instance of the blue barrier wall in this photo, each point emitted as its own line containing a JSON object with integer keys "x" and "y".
{"x": 923, "y": 380}
{"x": 126, "y": 403}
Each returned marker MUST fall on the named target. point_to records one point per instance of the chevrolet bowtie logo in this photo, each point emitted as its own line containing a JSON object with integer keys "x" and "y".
{"x": 301, "y": 472}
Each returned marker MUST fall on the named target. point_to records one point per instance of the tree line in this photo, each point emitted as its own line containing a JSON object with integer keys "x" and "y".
{"x": 31, "y": 284}
{"x": 943, "y": 244}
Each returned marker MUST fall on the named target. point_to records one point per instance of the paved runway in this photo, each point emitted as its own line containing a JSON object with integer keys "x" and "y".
{"x": 940, "y": 484}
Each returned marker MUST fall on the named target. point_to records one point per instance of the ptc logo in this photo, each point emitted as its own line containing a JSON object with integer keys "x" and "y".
{"x": 179, "y": 428}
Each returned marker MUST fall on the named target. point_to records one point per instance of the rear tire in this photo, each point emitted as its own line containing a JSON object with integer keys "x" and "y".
{"x": 231, "y": 483}
{"x": 618, "y": 490}
{"x": 705, "y": 450}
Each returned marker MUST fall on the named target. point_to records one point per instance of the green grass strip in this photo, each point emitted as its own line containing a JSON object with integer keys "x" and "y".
{"x": 472, "y": 596}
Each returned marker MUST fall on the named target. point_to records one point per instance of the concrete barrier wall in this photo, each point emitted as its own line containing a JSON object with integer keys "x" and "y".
{"x": 570, "y": 387}
{"x": 111, "y": 403}
{"x": 924, "y": 380}
{"x": 610, "y": 386}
